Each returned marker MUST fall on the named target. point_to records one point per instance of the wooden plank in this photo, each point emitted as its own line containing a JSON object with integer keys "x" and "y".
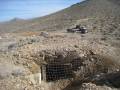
{"x": 43, "y": 72}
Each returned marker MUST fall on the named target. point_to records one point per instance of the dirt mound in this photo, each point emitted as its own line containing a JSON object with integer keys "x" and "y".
{"x": 89, "y": 61}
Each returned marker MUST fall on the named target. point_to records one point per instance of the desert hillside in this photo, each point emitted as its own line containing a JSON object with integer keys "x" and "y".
{"x": 45, "y": 53}
{"x": 99, "y": 17}
{"x": 102, "y": 12}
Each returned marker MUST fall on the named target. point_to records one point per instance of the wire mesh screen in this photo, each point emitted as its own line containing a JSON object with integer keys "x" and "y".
{"x": 56, "y": 72}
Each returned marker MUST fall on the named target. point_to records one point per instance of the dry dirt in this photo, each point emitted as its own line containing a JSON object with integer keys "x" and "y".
{"x": 22, "y": 54}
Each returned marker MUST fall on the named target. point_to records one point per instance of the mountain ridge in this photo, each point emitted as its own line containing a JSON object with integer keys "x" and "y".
{"x": 96, "y": 9}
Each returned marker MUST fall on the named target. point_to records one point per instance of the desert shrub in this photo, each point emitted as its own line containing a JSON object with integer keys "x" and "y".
{"x": 94, "y": 65}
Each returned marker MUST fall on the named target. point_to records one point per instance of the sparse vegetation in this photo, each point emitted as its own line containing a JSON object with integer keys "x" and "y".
{"x": 93, "y": 58}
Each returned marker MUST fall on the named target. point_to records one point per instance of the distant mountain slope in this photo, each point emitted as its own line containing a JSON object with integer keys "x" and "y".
{"x": 99, "y": 13}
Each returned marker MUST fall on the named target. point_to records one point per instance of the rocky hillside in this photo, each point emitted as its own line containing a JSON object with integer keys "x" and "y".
{"x": 95, "y": 66}
{"x": 101, "y": 15}
{"x": 92, "y": 59}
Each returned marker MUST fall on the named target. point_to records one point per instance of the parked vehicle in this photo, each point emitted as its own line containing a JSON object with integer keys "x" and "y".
{"x": 78, "y": 29}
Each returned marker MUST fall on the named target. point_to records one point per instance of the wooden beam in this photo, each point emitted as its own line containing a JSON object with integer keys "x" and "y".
{"x": 43, "y": 72}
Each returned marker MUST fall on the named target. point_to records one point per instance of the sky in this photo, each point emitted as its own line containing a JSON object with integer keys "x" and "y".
{"x": 26, "y": 9}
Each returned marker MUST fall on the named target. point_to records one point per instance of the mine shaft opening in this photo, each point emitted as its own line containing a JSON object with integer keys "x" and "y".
{"x": 73, "y": 66}
{"x": 59, "y": 67}
{"x": 54, "y": 72}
